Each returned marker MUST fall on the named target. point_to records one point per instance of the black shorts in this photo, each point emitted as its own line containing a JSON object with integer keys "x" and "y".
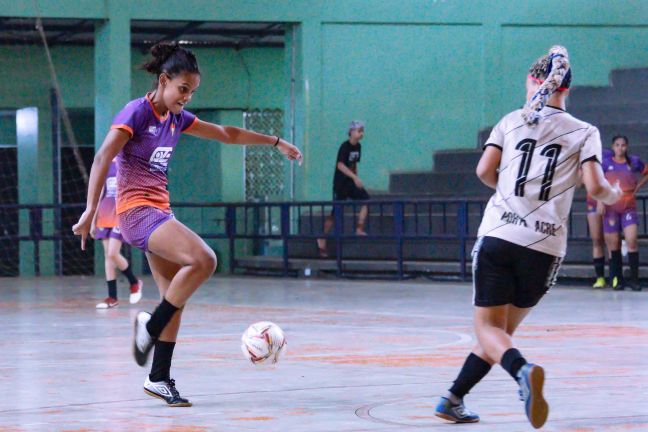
{"x": 507, "y": 273}
{"x": 350, "y": 191}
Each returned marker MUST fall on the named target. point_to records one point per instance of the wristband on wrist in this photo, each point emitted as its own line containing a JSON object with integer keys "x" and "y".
{"x": 276, "y": 142}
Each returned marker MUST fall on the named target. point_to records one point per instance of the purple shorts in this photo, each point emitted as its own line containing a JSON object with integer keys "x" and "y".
{"x": 137, "y": 224}
{"x": 614, "y": 221}
{"x": 106, "y": 233}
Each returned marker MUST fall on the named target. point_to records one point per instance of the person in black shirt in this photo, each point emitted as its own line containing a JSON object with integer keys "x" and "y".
{"x": 346, "y": 183}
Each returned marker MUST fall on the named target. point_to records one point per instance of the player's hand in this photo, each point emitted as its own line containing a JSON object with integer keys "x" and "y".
{"x": 616, "y": 189}
{"x": 93, "y": 228}
{"x": 358, "y": 183}
{"x": 82, "y": 227}
{"x": 290, "y": 151}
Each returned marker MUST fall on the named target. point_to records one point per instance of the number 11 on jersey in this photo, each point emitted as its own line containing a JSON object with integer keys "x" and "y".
{"x": 551, "y": 152}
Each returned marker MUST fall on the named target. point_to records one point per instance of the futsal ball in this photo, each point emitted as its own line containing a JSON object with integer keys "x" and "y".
{"x": 263, "y": 342}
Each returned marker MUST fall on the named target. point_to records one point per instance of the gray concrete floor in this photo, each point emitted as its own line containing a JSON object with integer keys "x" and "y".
{"x": 362, "y": 356}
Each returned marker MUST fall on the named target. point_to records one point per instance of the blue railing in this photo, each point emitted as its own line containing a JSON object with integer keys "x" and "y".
{"x": 289, "y": 223}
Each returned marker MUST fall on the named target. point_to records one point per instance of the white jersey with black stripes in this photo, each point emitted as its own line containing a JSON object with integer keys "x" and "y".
{"x": 538, "y": 173}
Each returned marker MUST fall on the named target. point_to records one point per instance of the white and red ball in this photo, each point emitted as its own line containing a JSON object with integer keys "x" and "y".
{"x": 263, "y": 342}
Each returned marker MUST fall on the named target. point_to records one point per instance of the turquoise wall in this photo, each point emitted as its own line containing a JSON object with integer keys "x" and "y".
{"x": 422, "y": 74}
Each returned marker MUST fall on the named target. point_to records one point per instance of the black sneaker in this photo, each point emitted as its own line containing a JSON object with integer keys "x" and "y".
{"x": 142, "y": 340}
{"x": 634, "y": 285}
{"x": 166, "y": 391}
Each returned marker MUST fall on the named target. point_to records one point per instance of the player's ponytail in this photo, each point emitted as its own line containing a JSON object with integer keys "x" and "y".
{"x": 171, "y": 59}
{"x": 553, "y": 72}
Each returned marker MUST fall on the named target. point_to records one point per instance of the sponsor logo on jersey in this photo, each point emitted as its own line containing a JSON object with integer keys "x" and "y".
{"x": 111, "y": 186}
{"x": 546, "y": 228}
{"x": 513, "y": 218}
{"x": 159, "y": 160}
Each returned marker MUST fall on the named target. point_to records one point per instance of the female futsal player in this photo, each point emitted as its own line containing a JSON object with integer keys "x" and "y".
{"x": 106, "y": 228}
{"x": 622, "y": 216}
{"x": 531, "y": 159}
{"x": 143, "y": 137}
{"x": 595, "y": 225}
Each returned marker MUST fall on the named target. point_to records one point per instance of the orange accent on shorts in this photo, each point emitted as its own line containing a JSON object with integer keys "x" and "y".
{"x": 123, "y": 127}
{"x": 141, "y": 202}
{"x": 193, "y": 123}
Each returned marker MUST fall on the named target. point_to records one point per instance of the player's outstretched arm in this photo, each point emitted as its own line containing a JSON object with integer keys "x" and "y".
{"x": 488, "y": 165}
{"x": 597, "y": 185}
{"x": 236, "y": 135}
{"x": 114, "y": 142}
{"x": 642, "y": 181}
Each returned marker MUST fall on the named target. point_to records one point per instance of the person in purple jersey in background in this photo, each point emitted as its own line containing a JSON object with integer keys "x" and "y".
{"x": 105, "y": 227}
{"x": 595, "y": 224}
{"x": 143, "y": 137}
{"x": 622, "y": 216}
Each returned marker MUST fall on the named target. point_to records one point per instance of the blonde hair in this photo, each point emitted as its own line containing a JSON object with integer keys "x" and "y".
{"x": 552, "y": 70}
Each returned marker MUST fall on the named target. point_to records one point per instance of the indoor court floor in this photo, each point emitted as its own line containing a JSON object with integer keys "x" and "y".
{"x": 362, "y": 356}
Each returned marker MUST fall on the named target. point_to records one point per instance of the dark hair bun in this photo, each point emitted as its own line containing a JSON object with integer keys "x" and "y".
{"x": 171, "y": 58}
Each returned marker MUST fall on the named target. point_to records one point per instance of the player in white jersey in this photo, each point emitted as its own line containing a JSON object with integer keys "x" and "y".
{"x": 531, "y": 160}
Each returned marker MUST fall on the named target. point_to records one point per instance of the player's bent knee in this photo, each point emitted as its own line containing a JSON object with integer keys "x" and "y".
{"x": 206, "y": 262}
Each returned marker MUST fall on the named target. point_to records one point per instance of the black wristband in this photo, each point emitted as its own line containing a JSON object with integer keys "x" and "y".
{"x": 276, "y": 142}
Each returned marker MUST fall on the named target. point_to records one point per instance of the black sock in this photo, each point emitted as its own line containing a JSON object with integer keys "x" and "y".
{"x": 616, "y": 269}
{"x": 129, "y": 275}
{"x": 160, "y": 318}
{"x": 512, "y": 361}
{"x": 473, "y": 370}
{"x": 161, "y": 366}
{"x": 112, "y": 288}
{"x": 633, "y": 257}
{"x": 599, "y": 267}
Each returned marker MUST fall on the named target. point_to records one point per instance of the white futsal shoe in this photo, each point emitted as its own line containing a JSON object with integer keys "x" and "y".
{"x": 142, "y": 340}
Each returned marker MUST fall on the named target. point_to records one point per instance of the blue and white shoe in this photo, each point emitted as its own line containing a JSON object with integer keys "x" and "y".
{"x": 531, "y": 380}
{"x": 455, "y": 413}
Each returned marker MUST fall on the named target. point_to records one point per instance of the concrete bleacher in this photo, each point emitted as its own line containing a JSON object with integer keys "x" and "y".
{"x": 620, "y": 108}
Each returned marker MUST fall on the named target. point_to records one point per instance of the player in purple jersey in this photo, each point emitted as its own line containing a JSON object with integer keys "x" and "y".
{"x": 595, "y": 211}
{"x": 622, "y": 216}
{"x": 144, "y": 135}
{"x": 105, "y": 227}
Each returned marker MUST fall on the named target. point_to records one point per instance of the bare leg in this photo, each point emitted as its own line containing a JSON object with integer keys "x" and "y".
{"x": 109, "y": 265}
{"x": 163, "y": 273}
{"x": 328, "y": 225}
{"x": 362, "y": 217}
{"x": 596, "y": 233}
{"x": 118, "y": 260}
{"x": 514, "y": 318}
{"x": 176, "y": 243}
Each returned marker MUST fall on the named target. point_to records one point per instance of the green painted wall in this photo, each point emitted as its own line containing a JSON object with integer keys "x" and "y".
{"x": 422, "y": 74}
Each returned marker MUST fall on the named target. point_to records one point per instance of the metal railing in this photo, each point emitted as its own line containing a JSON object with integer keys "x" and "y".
{"x": 287, "y": 223}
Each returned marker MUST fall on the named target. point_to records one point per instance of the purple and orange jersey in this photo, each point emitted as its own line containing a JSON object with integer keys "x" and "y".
{"x": 626, "y": 175}
{"x": 591, "y": 202}
{"x": 143, "y": 162}
{"x": 106, "y": 214}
